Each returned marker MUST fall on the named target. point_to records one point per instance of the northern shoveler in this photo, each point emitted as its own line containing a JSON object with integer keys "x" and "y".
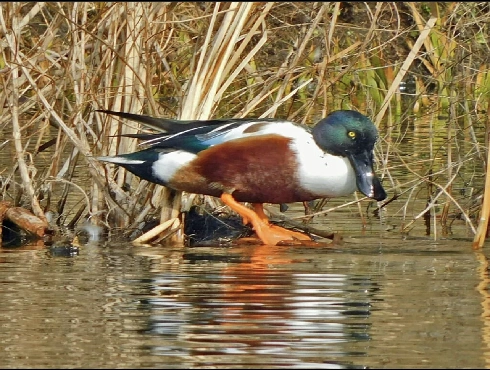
{"x": 258, "y": 160}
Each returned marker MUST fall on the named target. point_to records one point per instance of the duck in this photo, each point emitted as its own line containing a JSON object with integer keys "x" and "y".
{"x": 257, "y": 161}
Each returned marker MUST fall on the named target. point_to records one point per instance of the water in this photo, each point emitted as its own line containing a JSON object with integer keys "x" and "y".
{"x": 371, "y": 302}
{"x": 383, "y": 299}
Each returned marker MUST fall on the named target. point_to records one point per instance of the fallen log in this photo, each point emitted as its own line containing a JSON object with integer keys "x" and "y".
{"x": 23, "y": 218}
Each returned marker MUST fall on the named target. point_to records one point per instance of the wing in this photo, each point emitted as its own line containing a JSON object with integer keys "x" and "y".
{"x": 171, "y": 126}
{"x": 197, "y": 135}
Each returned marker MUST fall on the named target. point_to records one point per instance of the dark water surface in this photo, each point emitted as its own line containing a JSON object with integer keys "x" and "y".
{"x": 371, "y": 302}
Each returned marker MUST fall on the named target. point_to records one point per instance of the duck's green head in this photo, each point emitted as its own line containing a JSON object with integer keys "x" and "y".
{"x": 350, "y": 134}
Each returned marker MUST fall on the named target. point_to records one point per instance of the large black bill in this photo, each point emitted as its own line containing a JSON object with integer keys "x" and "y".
{"x": 367, "y": 181}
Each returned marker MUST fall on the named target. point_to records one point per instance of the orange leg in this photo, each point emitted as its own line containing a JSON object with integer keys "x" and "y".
{"x": 259, "y": 209}
{"x": 269, "y": 234}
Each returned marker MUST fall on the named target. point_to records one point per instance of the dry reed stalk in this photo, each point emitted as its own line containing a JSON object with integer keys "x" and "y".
{"x": 291, "y": 63}
{"x": 12, "y": 36}
{"x": 126, "y": 86}
{"x": 171, "y": 225}
{"x": 404, "y": 68}
{"x": 442, "y": 190}
{"x": 440, "y": 49}
{"x": 481, "y": 232}
{"x": 45, "y": 93}
{"x": 214, "y": 71}
{"x": 449, "y": 150}
{"x": 128, "y": 74}
{"x": 322, "y": 66}
{"x": 231, "y": 71}
{"x": 216, "y": 52}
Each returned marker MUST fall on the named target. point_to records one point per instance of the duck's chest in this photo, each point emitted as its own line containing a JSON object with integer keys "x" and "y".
{"x": 325, "y": 175}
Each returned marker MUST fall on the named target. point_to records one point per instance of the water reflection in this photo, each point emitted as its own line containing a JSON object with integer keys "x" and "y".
{"x": 260, "y": 304}
{"x": 370, "y": 303}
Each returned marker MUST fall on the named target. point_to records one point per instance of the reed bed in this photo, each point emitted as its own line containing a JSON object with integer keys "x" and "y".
{"x": 407, "y": 65}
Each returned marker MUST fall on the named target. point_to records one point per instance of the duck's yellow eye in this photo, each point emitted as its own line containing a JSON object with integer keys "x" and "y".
{"x": 351, "y": 134}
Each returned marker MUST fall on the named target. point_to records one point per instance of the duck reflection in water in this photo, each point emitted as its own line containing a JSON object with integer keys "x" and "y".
{"x": 257, "y": 304}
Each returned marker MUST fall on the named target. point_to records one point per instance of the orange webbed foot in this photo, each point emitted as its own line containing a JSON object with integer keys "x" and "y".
{"x": 288, "y": 235}
{"x": 269, "y": 234}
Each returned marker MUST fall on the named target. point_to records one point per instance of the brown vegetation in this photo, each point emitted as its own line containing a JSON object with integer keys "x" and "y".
{"x": 401, "y": 63}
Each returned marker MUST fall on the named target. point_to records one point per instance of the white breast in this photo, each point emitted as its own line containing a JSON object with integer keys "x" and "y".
{"x": 321, "y": 173}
